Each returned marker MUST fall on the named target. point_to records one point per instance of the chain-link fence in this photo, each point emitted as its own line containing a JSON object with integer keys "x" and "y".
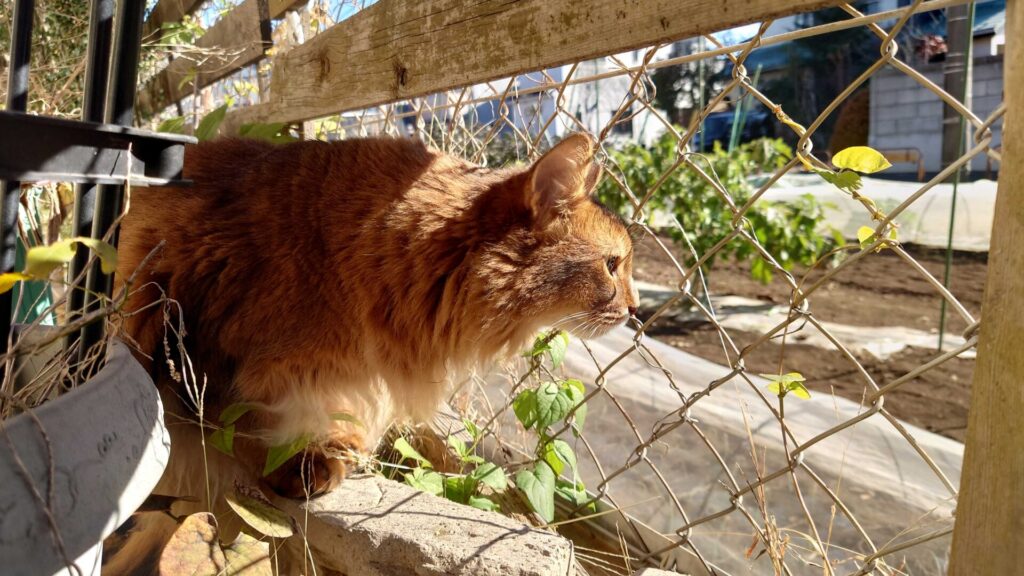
{"x": 710, "y": 468}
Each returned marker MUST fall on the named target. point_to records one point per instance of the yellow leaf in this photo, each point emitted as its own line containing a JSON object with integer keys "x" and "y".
{"x": 864, "y": 235}
{"x": 799, "y": 390}
{"x": 793, "y": 377}
{"x": 9, "y": 279}
{"x": 775, "y": 388}
{"x": 106, "y": 253}
{"x": 863, "y": 159}
{"x": 256, "y": 511}
{"x": 41, "y": 260}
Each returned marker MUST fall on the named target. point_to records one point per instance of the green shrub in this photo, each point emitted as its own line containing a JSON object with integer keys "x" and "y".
{"x": 790, "y": 231}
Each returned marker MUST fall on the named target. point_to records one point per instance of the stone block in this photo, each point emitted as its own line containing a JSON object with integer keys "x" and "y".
{"x": 377, "y": 527}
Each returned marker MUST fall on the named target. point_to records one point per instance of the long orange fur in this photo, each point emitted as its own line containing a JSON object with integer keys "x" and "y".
{"x": 364, "y": 277}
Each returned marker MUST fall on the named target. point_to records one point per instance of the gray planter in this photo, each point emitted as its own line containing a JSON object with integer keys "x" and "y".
{"x": 109, "y": 448}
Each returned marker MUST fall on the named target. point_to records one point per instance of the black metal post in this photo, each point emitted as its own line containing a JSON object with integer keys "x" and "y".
{"x": 17, "y": 100}
{"x": 119, "y": 110}
{"x": 97, "y": 71}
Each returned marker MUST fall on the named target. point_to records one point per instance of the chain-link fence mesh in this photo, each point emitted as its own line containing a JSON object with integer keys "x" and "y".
{"x": 711, "y": 469}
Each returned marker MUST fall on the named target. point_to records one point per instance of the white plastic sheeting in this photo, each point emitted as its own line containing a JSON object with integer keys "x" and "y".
{"x": 925, "y": 222}
{"x": 876, "y": 472}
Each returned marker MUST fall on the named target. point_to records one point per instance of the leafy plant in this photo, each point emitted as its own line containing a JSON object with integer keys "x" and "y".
{"x": 792, "y": 382}
{"x": 790, "y": 231}
{"x": 223, "y": 438}
{"x": 209, "y": 126}
{"x": 539, "y": 409}
{"x": 465, "y": 488}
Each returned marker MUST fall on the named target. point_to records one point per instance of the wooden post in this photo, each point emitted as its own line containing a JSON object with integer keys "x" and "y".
{"x": 989, "y": 533}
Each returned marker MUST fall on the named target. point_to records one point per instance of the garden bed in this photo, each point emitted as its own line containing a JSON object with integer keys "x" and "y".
{"x": 881, "y": 290}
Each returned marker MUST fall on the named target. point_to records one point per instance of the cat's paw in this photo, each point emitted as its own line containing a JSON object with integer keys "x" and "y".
{"x": 317, "y": 470}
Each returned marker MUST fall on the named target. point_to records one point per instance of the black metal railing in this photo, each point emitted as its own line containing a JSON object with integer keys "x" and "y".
{"x": 100, "y": 153}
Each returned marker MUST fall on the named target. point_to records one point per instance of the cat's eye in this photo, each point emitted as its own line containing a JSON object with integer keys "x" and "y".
{"x": 612, "y": 264}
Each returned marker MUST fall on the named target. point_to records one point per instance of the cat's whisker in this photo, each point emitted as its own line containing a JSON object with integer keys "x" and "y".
{"x": 577, "y": 319}
{"x": 565, "y": 319}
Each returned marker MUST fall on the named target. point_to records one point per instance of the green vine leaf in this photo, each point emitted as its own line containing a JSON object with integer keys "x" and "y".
{"x": 866, "y": 237}
{"x": 224, "y": 439}
{"x": 538, "y": 484}
{"x": 278, "y": 455}
{"x": 459, "y": 488}
{"x": 575, "y": 494}
{"x": 525, "y": 407}
{"x": 426, "y": 480}
{"x": 232, "y": 413}
{"x": 557, "y": 348}
{"x": 175, "y": 125}
{"x": 554, "y": 346}
{"x": 409, "y": 453}
{"x": 275, "y": 132}
{"x": 577, "y": 392}
{"x": 491, "y": 475}
{"x": 483, "y": 503}
{"x": 210, "y": 123}
{"x": 558, "y": 454}
{"x": 785, "y": 383}
{"x": 844, "y": 180}
{"x": 553, "y": 404}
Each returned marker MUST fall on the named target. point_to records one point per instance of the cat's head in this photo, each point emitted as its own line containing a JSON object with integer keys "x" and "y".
{"x": 577, "y": 272}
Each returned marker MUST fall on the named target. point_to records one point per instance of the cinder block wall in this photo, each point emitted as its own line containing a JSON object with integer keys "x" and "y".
{"x": 906, "y": 115}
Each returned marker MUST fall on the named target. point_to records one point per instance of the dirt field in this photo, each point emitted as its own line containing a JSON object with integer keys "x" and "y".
{"x": 880, "y": 290}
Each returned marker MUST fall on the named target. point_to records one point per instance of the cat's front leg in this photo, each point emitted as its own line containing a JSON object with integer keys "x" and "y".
{"x": 319, "y": 468}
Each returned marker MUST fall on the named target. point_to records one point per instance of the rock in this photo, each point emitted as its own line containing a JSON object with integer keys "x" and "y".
{"x": 372, "y": 526}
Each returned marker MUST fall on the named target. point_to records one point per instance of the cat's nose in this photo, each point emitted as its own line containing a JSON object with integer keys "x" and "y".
{"x": 632, "y": 310}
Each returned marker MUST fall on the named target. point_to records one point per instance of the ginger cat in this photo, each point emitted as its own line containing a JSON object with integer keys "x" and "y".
{"x": 362, "y": 277}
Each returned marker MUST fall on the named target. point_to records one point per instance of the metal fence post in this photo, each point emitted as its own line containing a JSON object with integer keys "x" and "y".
{"x": 101, "y": 25}
{"x": 120, "y": 109}
{"x": 10, "y": 191}
{"x": 989, "y": 530}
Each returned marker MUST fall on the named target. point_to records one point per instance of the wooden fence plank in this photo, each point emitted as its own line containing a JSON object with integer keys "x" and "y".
{"x": 989, "y": 532}
{"x": 398, "y": 49}
{"x": 234, "y": 41}
{"x": 168, "y": 11}
{"x": 238, "y": 39}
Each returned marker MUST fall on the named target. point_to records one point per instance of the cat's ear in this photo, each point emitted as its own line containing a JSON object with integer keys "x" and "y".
{"x": 562, "y": 177}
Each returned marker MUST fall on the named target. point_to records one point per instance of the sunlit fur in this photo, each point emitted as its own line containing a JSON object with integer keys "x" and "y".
{"x": 365, "y": 276}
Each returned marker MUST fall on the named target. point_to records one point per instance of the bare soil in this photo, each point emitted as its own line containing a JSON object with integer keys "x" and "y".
{"x": 879, "y": 290}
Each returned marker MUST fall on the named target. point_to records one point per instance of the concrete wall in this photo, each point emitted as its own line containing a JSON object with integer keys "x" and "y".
{"x": 906, "y": 115}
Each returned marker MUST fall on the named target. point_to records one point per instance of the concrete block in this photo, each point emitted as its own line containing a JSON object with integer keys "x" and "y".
{"x": 994, "y": 87}
{"x": 930, "y": 110}
{"x": 889, "y": 80}
{"x": 909, "y": 95}
{"x": 377, "y": 527}
{"x": 984, "y": 105}
{"x": 988, "y": 71}
{"x": 914, "y": 125}
{"x": 884, "y": 98}
{"x": 884, "y": 128}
